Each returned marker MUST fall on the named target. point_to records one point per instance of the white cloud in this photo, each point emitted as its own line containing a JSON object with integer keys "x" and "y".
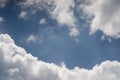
{"x": 74, "y": 32}
{"x": 17, "y": 64}
{"x": 42, "y": 21}
{"x": 23, "y": 15}
{"x": 105, "y": 16}
{"x": 1, "y": 19}
{"x": 32, "y": 38}
{"x": 64, "y": 13}
{"x": 3, "y": 3}
{"x": 61, "y": 10}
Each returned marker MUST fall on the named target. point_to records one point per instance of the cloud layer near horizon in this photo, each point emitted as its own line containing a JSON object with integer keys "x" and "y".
{"x": 17, "y": 64}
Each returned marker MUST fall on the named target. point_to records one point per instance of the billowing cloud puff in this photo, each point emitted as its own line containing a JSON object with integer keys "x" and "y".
{"x": 17, "y": 64}
{"x": 61, "y": 10}
{"x": 105, "y": 16}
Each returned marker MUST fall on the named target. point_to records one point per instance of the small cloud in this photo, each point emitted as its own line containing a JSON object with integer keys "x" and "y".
{"x": 42, "y": 21}
{"x": 74, "y": 32}
{"x": 23, "y": 15}
{"x": 3, "y": 3}
{"x": 32, "y": 38}
{"x": 104, "y": 37}
{"x": 1, "y": 19}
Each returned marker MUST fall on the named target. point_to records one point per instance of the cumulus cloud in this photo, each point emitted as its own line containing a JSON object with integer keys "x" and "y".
{"x": 61, "y": 10}
{"x": 17, "y": 64}
{"x": 105, "y": 16}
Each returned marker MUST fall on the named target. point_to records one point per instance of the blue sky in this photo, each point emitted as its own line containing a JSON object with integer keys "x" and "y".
{"x": 53, "y": 42}
{"x": 59, "y": 39}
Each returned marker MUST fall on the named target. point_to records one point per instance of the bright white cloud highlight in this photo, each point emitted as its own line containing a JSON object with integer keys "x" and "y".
{"x": 105, "y": 16}
{"x": 17, "y": 64}
{"x": 64, "y": 13}
{"x": 61, "y": 10}
{"x": 42, "y": 21}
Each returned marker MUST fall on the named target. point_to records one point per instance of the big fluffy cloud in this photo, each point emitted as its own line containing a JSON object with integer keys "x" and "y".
{"x": 61, "y": 10}
{"x": 17, "y": 64}
{"x": 105, "y": 16}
